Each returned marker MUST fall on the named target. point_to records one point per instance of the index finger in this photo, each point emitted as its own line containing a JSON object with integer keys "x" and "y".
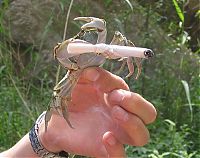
{"x": 134, "y": 103}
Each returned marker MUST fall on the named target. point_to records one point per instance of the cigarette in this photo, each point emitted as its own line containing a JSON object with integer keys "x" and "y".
{"x": 110, "y": 50}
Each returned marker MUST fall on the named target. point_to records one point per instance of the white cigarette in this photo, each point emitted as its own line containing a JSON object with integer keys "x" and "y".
{"x": 113, "y": 50}
{"x": 80, "y": 48}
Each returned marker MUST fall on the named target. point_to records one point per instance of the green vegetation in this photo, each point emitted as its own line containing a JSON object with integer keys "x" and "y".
{"x": 170, "y": 80}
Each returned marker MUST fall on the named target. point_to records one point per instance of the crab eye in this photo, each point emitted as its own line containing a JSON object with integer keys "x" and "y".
{"x": 148, "y": 53}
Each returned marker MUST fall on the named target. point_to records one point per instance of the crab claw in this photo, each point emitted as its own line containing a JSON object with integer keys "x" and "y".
{"x": 92, "y": 23}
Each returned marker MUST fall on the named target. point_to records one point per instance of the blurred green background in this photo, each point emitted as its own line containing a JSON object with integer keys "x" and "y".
{"x": 29, "y": 29}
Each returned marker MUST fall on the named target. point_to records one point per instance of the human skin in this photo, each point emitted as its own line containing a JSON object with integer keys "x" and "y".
{"x": 105, "y": 115}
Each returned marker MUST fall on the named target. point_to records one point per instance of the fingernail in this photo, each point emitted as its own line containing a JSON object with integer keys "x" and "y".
{"x": 120, "y": 114}
{"x": 91, "y": 74}
{"x": 111, "y": 140}
{"x": 116, "y": 96}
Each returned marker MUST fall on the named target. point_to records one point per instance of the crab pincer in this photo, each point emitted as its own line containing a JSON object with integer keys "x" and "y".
{"x": 92, "y": 23}
{"x": 95, "y": 24}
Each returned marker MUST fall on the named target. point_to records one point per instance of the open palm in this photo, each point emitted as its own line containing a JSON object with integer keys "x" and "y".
{"x": 101, "y": 102}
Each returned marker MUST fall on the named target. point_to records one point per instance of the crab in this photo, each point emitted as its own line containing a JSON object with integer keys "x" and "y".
{"x": 82, "y": 51}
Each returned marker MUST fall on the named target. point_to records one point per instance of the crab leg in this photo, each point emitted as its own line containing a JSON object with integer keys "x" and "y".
{"x": 120, "y": 39}
{"x": 48, "y": 115}
{"x": 109, "y": 50}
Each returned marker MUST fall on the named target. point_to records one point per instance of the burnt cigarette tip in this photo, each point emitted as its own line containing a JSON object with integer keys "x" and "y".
{"x": 148, "y": 53}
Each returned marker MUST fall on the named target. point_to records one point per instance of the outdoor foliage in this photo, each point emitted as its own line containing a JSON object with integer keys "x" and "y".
{"x": 170, "y": 80}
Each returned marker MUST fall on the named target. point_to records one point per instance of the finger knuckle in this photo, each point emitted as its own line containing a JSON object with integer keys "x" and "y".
{"x": 137, "y": 98}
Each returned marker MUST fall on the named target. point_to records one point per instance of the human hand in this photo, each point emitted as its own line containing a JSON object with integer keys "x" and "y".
{"x": 102, "y": 107}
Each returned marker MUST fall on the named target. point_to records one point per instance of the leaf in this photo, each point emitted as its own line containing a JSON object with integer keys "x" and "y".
{"x": 170, "y": 122}
{"x": 2, "y": 68}
{"x": 166, "y": 154}
{"x": 197, "y": 14}
{"x": 129, "y": 3}
{"x": 192, "y": 154}
{"x": 62, "y": 6}
{"x": 178, "y": 10}
{"x": 184, "y": 37}
{"x": 187, "y": 92}
{"x": 108, "y": 2}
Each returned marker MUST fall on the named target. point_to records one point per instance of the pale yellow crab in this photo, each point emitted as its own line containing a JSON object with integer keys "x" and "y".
{"x": 77, "y": 53}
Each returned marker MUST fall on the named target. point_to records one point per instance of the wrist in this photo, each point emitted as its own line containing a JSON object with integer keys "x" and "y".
{"x": 48, "y": 139}
{"x": 44, "y": 148}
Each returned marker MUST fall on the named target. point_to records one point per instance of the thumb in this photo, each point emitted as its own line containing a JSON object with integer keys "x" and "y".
{"x": 114, "y": 148}
{"x": 103, "y": 79}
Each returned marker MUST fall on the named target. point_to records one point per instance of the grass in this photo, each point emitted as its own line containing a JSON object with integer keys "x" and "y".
{"x": 176, "y": 133}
